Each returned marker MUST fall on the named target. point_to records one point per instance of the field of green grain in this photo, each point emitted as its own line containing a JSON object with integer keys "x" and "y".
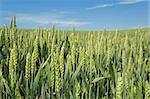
{"x": 61, "y": 64}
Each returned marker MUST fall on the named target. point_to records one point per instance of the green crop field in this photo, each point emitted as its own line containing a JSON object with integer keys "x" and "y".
{"x": 60, "y": 64}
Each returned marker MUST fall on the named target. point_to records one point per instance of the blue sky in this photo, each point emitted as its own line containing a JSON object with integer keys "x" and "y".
{"x": 83, "y": 14}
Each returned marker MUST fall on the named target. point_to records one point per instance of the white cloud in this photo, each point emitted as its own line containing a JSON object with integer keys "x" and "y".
{"x": 121, "y": 2}
{"x": 48, "y": 18}
{"x": 72, "y": 23}
{"x": 131, "y": 1}
{"x": 100, "y": 6}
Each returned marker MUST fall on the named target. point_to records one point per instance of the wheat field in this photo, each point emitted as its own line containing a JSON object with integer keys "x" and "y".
{"x": 60, "y": 64}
